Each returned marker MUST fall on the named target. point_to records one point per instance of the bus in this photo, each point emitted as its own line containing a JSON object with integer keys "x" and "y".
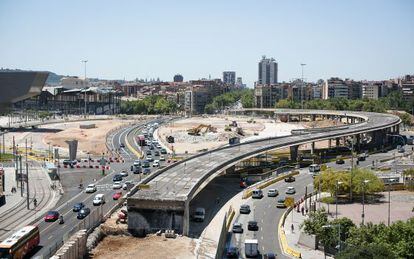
{"x": 141, "y": 140}
{"x": 20, "y": 243}
{"x": 314, "y": 169}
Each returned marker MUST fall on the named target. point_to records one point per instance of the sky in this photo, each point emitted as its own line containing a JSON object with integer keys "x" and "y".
{"x": 371, "y": 40}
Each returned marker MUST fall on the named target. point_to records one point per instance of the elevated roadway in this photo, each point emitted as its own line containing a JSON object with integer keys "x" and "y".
{"x": 166, "y": 203}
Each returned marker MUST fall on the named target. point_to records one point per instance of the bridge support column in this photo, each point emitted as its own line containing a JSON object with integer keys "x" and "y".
{"x": 338, "y": 142}
{"x": 358, "y": 142}
{"x": 313, "y": 148}
{"x": 294, "y": 153}
{"x": 329, "y": 143}
{"x": 313, "y": 117}
{"x": 186, "y": 218}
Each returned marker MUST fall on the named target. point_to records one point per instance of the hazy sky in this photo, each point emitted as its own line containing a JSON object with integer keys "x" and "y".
{"x": 129, "y": 39}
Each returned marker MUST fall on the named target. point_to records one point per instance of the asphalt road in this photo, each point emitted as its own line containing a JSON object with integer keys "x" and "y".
{"x": 52, "y": 234}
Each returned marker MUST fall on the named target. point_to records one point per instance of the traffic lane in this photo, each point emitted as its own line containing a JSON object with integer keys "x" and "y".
{"x": 212, "y": 198}
{"x": 265, "y": 213}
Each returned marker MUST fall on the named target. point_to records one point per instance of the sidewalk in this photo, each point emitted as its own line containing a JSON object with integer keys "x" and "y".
{"x": 14, "y": 215}
{"x": 292, "y": 237}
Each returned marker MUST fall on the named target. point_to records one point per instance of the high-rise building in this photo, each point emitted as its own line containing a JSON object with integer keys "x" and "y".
{"x": 178, "y": 78}
{"x": 406, "y": 84}
{"x": 229, "y": 77}
{"x": 335, "y": 88}
{"x": 267, "y": 71}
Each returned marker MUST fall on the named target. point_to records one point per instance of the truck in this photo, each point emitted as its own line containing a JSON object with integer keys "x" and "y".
{"x": 251, "y": 248}
{"x": 199, "y": 214}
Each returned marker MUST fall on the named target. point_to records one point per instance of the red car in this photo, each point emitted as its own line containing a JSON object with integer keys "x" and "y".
{"x": 117, "y": 195}
{"x": 51, "y": 216}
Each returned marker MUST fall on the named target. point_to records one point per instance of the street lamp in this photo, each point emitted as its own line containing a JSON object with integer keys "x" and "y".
{"x": 336, "y": 198}
{"x": 303, "y": 83}
{"x": 389, "y": 199}
{"x": 363, "y": 201}
{"x": 84, "y": 61}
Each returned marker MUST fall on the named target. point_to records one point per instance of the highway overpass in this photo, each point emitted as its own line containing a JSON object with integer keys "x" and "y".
{"x": 166, "y": 203}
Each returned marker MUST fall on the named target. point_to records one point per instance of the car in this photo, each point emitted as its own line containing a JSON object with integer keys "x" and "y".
{"x": 199, "y": 214}
{"x": 117, "y": 185}
{"x": 159, "y": 146}
{"x": 83, "y": 213}
{"x": 147, "y": 171}
{"x": 162, "y": 158}
{"x": 151, "y": 147}
{"x": 257, "y": 194}
{"x": 78, "y": 206}
{"x": 237, "y": 228}
{"x": 137, "y": 170}
{"x": 117, "y": 178}
{"x": 117, "y": 195}
{"x": 232, "y": 252}
{"x": 156, "y": 153}
{"x": 290, "y": 179}
{"x": 124, "y": 173}
{"x": 91, "y": 188}
{"x": 244, "y": 209}
{"x": 51, "y": 216}
{"x": 149, "y": 152}
{"x": 252, "y": 225}
{"x": 362, "y": 157}
{"x": 269, "y": 256}
{"x": 99, "y": 199}
{"x": 340, "y": 161}
{"x": 127, "y": 185}
{"x": 400, "y": 149}
{"x": 137, "y": 163}
{"x": 272, "y": 193}
{"x": 290, "y": 190}
{"x": 163, "y": 151}
{"x": 156, "y": 163}
{"x": 146, "y": 164}
{"x": 122, "y": 145}
{"x": 150, "y": 159}
{"x": 281, "y": 203}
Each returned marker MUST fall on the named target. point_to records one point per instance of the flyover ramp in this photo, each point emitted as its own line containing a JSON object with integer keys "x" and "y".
{"x": 182, "y": 181}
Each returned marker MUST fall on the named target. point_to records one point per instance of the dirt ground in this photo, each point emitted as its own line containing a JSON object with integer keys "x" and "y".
{"x": 150, "y": 247}
{"x": 89, "y": 140}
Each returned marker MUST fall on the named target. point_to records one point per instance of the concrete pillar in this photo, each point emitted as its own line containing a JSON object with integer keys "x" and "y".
{"x": 358, "y": 142}
{"x": 347, "y": 120}
{"x": 186, "y": 218}
{"x": 353, "y": 120}
{"x": 313, "y": 117}
{"x": 294, "y": 153}
{"x": 329, "y": 143}
{"x": 338, "y": 142}
{"x": 397, "y": 129}
{"x": 313, "y": 148}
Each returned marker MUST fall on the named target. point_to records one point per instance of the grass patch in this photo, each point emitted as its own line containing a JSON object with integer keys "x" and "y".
{"x": 6, "y": 157}
{"x": 329, "y": 200}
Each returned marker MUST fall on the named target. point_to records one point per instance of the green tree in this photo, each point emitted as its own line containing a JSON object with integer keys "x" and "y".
{"x": 373, "y": 185}
{"x": 368, "y": 251}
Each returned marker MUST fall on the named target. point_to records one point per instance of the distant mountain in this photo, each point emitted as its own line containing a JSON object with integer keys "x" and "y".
{"x": 53, "y": 78}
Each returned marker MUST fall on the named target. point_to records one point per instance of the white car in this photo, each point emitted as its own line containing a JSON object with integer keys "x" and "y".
{"x": 150, "y": 159}
{"x": 127, "y": 185}
{"x": 159, "y": 146}
{"x": 272, "y": 193}
{"x": 137, "y": 163}
{"x": 117, "y": 185}
{"x": 156, "y": 163}
{"x": 162, "y": 158}
{"x": 91, "y": 188}
{"x": 124, "y": 173}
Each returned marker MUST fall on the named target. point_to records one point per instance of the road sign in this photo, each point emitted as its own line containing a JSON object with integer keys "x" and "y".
{"x": 289, "y": 201}
{"x": 143, "y": 186}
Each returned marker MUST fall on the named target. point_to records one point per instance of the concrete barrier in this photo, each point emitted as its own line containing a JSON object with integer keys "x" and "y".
{"x": 74, "y": 248}
{"x": 282, "y": 237}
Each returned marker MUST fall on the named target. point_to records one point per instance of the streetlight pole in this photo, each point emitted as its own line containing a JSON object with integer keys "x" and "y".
{"x": 363, "y": 201}
{"x": 336, "y": 198}
{"x": 389, "y": 200}
{"x": 303, "y": 84}
{"x": 85, "y": 61}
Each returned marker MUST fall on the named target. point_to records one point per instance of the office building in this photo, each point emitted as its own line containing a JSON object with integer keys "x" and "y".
{"x": 267, "y": 71}
{"x": 229, "y": 77}
{"x": 266, "y": 96}
{"x": 335, "y": 88}
{"x": 406, "y": 84}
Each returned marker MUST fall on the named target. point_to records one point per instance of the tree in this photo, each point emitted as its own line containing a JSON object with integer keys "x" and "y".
{"x": 247, "y": 98}
{"x": 313, "y": 224}
{"x": 360, "y": 175}
{"x": 409, "y": 178}
{"x": 369, "y": 251}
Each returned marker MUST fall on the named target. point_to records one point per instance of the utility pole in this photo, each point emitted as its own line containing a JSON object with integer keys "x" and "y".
{"x": 84, "y": 62}
{"x": 21, "y": 175}
{"x": 27, "y": 179}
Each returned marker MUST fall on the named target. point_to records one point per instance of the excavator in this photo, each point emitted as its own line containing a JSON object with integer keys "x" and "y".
{"x": 197, "y": 130}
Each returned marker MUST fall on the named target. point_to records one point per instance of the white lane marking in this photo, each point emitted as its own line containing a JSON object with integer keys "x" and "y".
{"x": 50, "y": 237}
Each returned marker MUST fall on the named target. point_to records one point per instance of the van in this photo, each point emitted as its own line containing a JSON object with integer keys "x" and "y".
{"x": 251, "y": 248}
{"x": 314, "y": 168}
{"x": 257, "y": 194}
{"x": 199, "y": 214}
{"x": 99, "y": 199}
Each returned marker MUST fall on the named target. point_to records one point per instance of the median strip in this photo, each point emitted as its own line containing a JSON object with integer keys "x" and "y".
{"x": 286, "y": 249}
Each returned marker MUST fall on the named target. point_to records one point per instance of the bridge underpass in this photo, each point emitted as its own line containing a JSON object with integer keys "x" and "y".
{"x": 167, "y": 203}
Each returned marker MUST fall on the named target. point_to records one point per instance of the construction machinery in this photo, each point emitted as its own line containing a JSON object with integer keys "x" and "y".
{"x": 197, "y": 130}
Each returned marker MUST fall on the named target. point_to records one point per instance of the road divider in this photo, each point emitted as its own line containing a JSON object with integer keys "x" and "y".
{"x": 286, "y": 249}
{"x": 133, "y": 150}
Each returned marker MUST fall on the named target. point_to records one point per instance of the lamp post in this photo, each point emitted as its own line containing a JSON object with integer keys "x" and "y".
{"x": 389, "y": 199}
{"x": 336, "y": 198}
{"x": 363, "y": 200}
{"x": 84, "y": 62}
{"x": 303, "y": 84}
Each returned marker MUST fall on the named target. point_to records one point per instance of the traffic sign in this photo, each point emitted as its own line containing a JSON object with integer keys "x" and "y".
{"x": 289, "y": 201}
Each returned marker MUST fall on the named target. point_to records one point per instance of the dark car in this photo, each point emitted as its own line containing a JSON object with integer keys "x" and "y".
{"x": 156, "y": 153}
{"x": 163, "y": 151}
{"x": 151, "y": 147}
{"x": 252, "y": 226}
{"x": 137, "y": 170}
{"x": 117, "y": 178}
{"x": 122, "y": 145}
{"x": 149, "y": 153}
{"x": 83, "y": 213}
{"x": 51, "y": 216}
{"x": 78, "y": 206}
{"x": 237, "y": 228}
{"x": 147, "y": 171}
{"x": 290, "y": 179}
{"x": 232, "y": 252}
{"x": 340, "y": 161}
{"x": 269, "y": 256}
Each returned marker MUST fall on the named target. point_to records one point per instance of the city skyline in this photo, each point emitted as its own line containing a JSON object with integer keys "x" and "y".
{"x": 141, "y": 40}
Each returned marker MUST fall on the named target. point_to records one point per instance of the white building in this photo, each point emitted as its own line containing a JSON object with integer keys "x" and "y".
{"x": 73, "y": 83}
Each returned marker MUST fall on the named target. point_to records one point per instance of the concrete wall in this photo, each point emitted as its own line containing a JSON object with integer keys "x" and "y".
{"x": 74, "y": 248}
